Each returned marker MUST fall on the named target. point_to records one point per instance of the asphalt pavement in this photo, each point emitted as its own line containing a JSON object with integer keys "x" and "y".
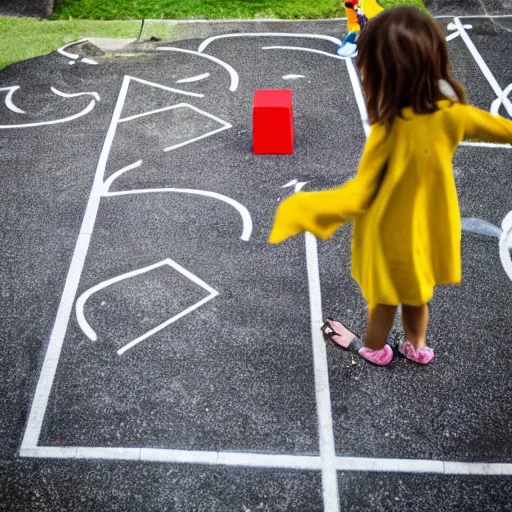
{"x": 158, "y": 354}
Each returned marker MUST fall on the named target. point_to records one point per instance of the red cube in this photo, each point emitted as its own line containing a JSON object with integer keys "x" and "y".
{"x": 272, "y": 122}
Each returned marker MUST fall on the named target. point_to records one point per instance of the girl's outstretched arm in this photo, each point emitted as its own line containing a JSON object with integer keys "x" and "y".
{"x": 481, "y": 125}
{"x": 323, "y": 212}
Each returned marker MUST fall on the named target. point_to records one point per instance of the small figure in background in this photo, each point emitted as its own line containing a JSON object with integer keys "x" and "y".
{"x": 358, "y": 13}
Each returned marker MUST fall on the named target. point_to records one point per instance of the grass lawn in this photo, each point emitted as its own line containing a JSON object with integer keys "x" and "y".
{"x": 206, "y": 9}
{"x": 24, "y": 38}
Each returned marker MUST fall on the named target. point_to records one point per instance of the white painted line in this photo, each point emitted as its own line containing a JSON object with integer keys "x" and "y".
{"x": 163, "y": 325}
{"x": 495, "y": 106}
{"x": 323, "y": 397}
{"x": 55, "y": 121}
{"x": 298, "y": 185}
{"x": 389, "y": 465}
{"x": 483, "y": 66}
{"x": 270, "y": 461}
{"x": 225, "y": 124}
{"x": 264, "y": 460}
{"x": 292, "y": 77}
{"x": 196, "y": 78}
{"x": 301, "y": 49}
{"x": 164, "y": 88}
{"x": 47, "y": 375}
{"x": 76, "y": 94}
{"x": 8, "y": 99}
{"x": 480, "y": 227}
{"x": 186, "y": 143}
{"x": 452, "y": 26}
{"x": 244, "y": 212}
{"x": 80, "y": 303}
{"x": 485, "y": 145}
{"x": 506, "y": 223}
{"x": 108, "y": 183}
{"x": 180, "y": 456}
{"x": 69, "y": 55}
{"x": 178, "y": 105}
{"x": 451, "y": 37}
{"x": 472, "y": 468}
{"x": 356, "y": 86}
{"x": 107, "y": 453}
{"x": 230, "y": 69}
{"x": 207, "y": 42}
{"x": 85, "y": 60}
{"x": 151, "y": 112}
{"x": 49, "y": 452}
{"x": 506, "y": 243}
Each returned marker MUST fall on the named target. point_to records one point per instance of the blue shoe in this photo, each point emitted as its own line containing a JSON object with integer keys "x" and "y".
{"x": 351, "y": 37}
{"x": 347, "y": 50}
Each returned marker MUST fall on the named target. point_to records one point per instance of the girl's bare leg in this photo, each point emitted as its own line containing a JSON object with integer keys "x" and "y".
{"x": 380, "y": 322}
{"x": 415, "y": 322}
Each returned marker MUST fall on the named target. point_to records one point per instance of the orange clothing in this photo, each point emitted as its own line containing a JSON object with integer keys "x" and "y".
{"x": 403, "y": 201}
{"x": 370, "y": 8}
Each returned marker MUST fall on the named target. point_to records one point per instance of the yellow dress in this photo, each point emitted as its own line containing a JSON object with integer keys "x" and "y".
{"x": 403, "y": 202}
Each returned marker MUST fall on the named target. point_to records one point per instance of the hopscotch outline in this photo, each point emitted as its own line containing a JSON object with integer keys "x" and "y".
{"x": 329, "y": 463}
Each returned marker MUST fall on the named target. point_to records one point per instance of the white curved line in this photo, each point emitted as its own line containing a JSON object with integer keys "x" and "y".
{"x": 506, "y": 225}
{"x": 76, "y": 94}
{"x": 89, "y": 61}
{"x": 108, "y": 182}
{"x": 8, "y": 99}
{"x": 55, "y": 121}
{"x": 68, "y": 54}
{"x": 80, "y": 303}
{"x": 206, "y": 42}
{"x": 193, "y": 78}
{"x": 292, "y": 77}
{"x": 495, "y": 106}
{"x": 310, "y": 50}
{"x": 480, "y": 227}
{"x": 242, "y": 210}
{"x": 505, "y": 243}
{"x": 230, "y": 69}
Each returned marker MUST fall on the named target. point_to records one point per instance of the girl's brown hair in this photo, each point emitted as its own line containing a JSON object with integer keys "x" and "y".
{"x": 402, "y": 59}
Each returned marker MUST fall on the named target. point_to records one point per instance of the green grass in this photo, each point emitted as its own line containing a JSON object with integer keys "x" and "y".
{"x": 24, "y": 38}
{"x": 206, "y": 9}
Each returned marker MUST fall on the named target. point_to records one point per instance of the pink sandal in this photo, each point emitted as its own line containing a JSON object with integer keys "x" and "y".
{"x": 339, "y": 334}
{"x": 422, "y": 356}
{"x": 381, "y": 357}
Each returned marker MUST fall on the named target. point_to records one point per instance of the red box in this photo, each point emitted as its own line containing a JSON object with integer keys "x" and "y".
{"x": 272, "y": 122}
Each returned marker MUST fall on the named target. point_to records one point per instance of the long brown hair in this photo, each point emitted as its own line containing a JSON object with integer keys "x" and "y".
{"x": 402, "y": 59}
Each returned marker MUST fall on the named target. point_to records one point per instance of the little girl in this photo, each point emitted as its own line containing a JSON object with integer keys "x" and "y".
{"x": 403, "y": 201}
